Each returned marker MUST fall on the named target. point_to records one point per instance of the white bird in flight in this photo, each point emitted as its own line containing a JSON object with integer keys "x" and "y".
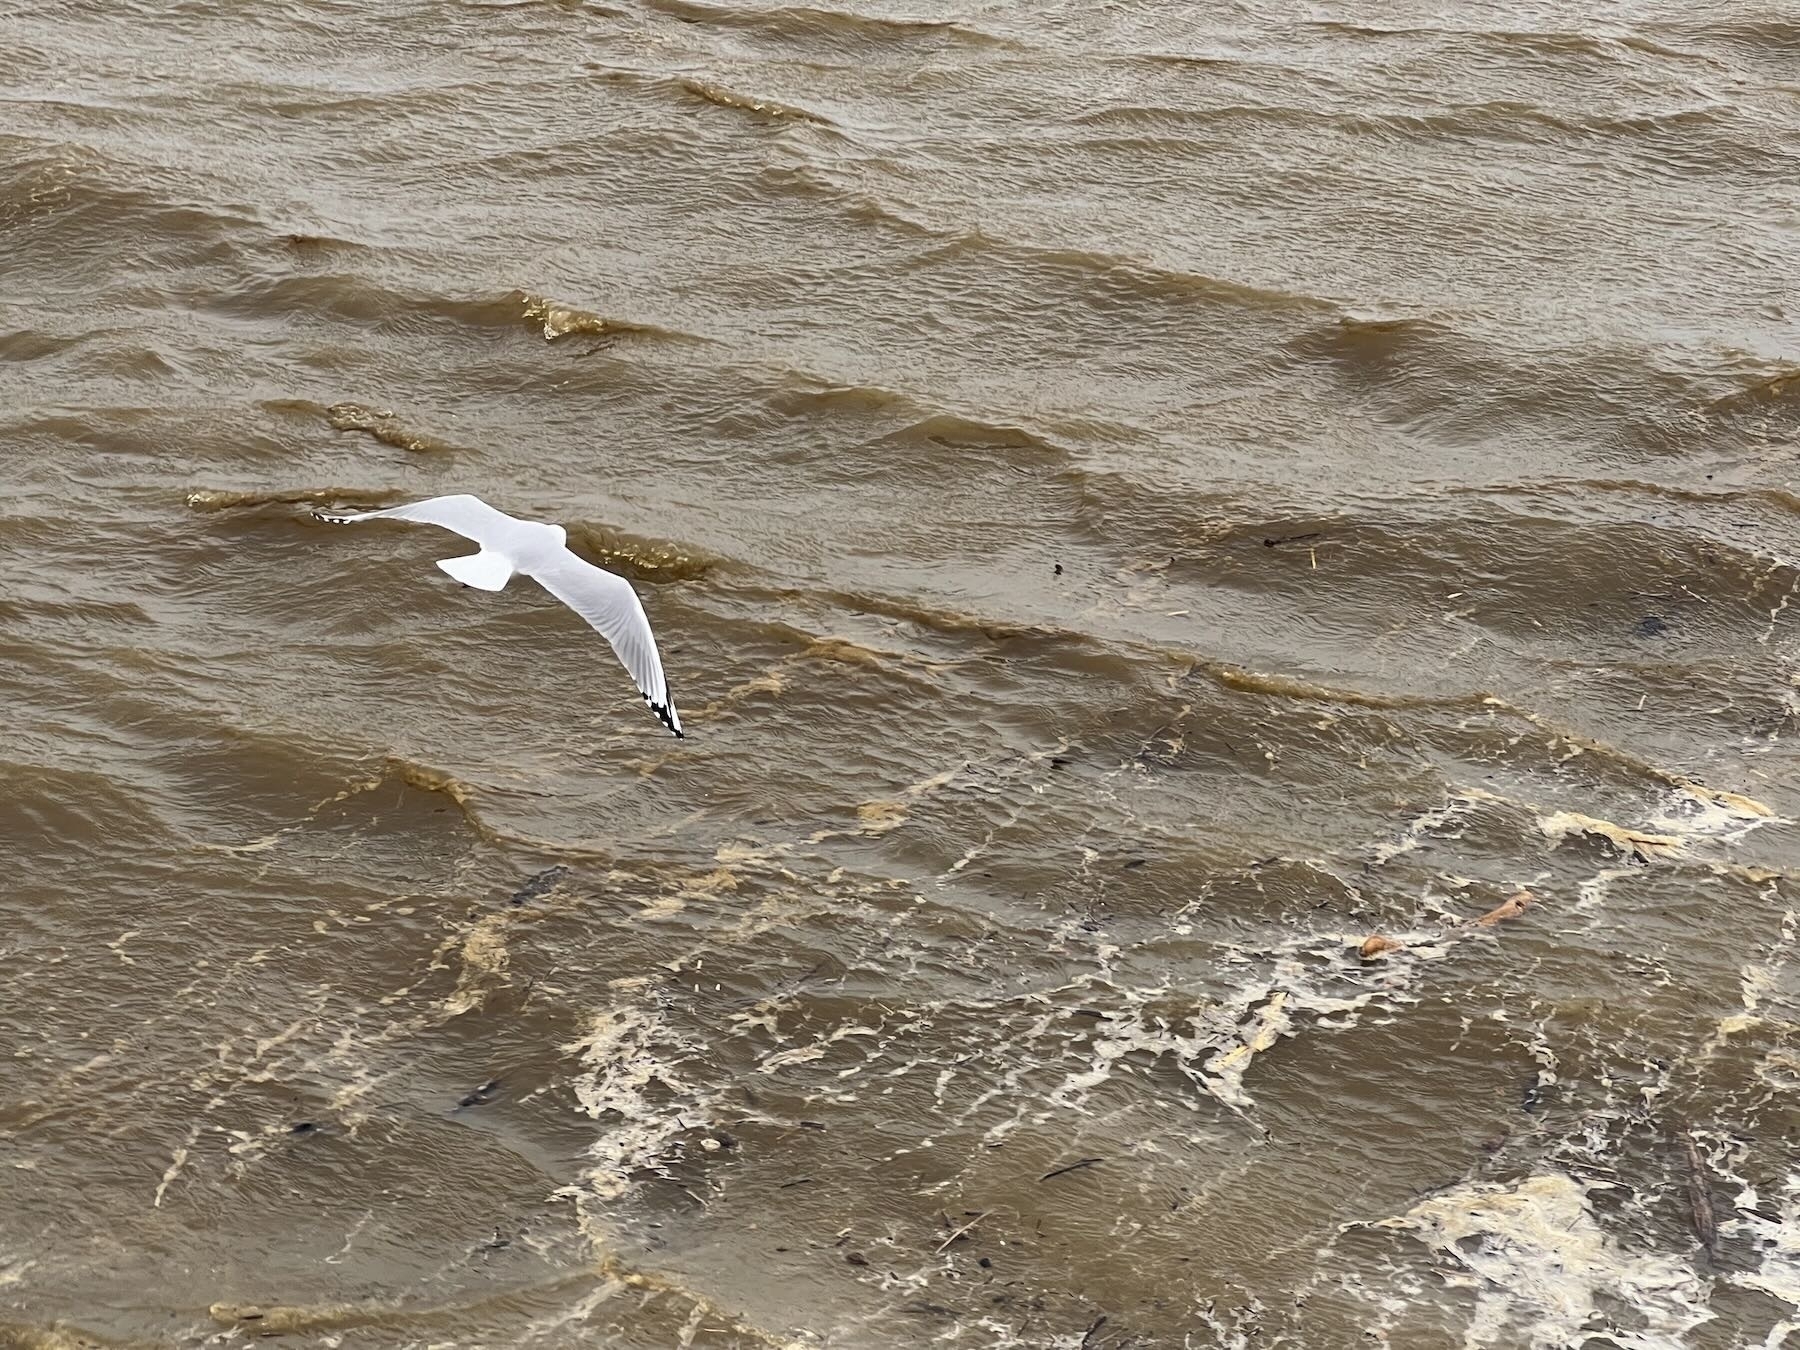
{"x": 511, "y": 545}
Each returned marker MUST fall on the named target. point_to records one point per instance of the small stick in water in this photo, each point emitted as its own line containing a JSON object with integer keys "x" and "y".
{"x": 961, "y": 1231}
{"x": 1706, "y": 1219}
{"x": 1072, "y": 1167}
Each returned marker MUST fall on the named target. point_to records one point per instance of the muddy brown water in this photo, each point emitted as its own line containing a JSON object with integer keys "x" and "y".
{"x": 1136, "y": 499}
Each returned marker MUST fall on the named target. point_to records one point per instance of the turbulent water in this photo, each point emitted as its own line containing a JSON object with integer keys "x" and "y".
{"x": 1231, "y": 576}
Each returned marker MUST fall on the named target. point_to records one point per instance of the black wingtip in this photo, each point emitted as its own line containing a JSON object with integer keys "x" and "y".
{"x": 664, "y": 716}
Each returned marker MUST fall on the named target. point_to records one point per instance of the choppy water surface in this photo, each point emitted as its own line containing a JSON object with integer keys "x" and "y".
{"x": 1138, "y": 500}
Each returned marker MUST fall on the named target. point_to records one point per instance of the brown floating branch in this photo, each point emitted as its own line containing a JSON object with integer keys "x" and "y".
{"x": 1072, "y": 1167}
{"x": 1509, "y": 908}
{"x": 1378, "y": 944}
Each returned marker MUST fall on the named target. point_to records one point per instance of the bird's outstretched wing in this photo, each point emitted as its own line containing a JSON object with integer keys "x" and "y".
{"x": 467, "y": 515}
{"x": 606, "y": 601}
{"x": 609, "y": 604}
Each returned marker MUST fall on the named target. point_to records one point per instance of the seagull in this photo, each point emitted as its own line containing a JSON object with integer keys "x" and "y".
{"x": 510, "y": 545}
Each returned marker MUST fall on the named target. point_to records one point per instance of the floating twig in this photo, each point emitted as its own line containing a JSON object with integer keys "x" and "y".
{"x": 1072, "y": 1167}
{"x": 960, "y": 1232}
{"x": 1706, "y": 1219}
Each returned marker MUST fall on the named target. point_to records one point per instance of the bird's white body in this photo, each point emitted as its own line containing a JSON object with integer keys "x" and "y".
{"x": 541, "y": 552}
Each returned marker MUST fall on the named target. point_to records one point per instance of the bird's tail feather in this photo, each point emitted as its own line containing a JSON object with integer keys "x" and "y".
{"x": 485, "y": 571}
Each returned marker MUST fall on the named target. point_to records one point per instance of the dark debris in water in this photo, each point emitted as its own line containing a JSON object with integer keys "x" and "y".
{"x": 1530, "y": 1096}
{"x": 1072, "y": 1167}
{"x": 539, "y": 885}
{"x": 1703, "y": 1215}
{"x": 482, "y": 1095}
